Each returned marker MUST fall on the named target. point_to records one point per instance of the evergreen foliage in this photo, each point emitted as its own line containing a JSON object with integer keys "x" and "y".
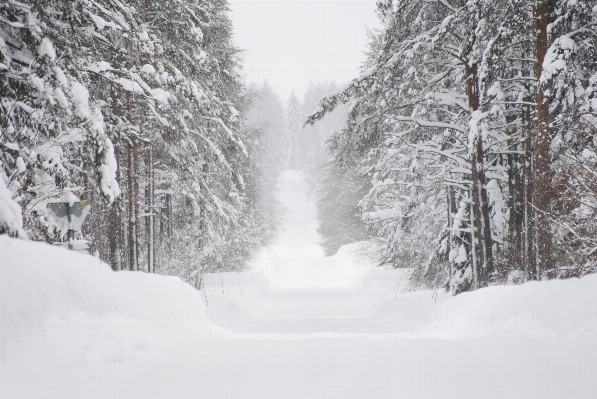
{"x": 139, "y": 108}
{"x": 337, "y": 207}
{"x": 472, "y": 129}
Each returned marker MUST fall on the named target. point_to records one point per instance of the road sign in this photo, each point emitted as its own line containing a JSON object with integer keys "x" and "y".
{"x": 69, "y": 217}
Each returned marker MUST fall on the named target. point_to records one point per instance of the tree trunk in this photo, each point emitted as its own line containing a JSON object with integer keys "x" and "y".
{"x": 451, "y": 198}
{"x": 543, "y": 187}
{"x": 133, "y": 214}
{"x": 516, "y": 175}
{"x": 529, "y": 254}
{"x": 515, "y": 205}
{"x": 168, "y": 219}
{"x": 450, "y": 216}
{"x": 482, "y": 246}
{"x": 474, "y": 245}
{"x": 133, "y": 190}
{"x": 136, "y": 203}
{"x": 149, "y": 196}
{"x": 114, "y": 237}
{"x": 202, "y": 213}
{"x": 484, "y": 222}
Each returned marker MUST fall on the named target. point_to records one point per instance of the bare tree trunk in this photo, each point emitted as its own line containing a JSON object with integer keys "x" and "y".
{"x": 450, "y": 223}
{"x": 150, "y": 210}
{"x": 133, "y": 212}
{"x": 130, "y": 208}
{"x": 117, "y": 239}
{"x": 136, "y": 203}
{"x": 168, "y": 221}
{"x": 529, "y": 257}
{"x": 133, "y": 191}
{"x": 484, "y": 220}
{"x": 114, "y": 237}
{"x": 112, "y": 233}
{"x": 451, "y": 198}
{"x": 474, "y": 242}
{"x": 516, "y": 193}
{"x": 202, "y": 213}
{"x": 543, "y": 187}
{"x": 515, "y": 205}
{"x": 480, "y": 202}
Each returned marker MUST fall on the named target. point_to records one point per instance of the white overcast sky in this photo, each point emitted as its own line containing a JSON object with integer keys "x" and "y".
{"x": 290, "y": 43}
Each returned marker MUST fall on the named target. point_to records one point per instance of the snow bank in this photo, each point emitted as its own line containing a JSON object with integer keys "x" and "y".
{"x": 42, "y": 285}
{"x": 72, "y": 328}
{"x": 556, "y": 308}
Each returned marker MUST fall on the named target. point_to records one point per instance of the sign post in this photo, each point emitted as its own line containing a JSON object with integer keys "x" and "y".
{"x": 69, "y": 217}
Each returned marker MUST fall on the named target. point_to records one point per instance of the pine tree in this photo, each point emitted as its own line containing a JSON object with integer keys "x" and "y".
{"x": 450, "y": 94}
{"x": 133, "y": 106}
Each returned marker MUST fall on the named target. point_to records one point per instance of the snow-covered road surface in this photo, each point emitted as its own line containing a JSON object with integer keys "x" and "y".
{"x": 296, "y": 259}
{"x": 72, "y": 328}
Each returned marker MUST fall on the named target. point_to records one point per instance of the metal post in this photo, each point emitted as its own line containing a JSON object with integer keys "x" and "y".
{"x": 71, "y": 233}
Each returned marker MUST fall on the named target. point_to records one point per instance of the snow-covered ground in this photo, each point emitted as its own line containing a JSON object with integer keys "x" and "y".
{"x": 296, "y": 259}
{"x": 72, "y": 328}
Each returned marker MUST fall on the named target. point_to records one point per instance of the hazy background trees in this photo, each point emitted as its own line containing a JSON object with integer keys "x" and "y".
{"x": 337, "y": 188}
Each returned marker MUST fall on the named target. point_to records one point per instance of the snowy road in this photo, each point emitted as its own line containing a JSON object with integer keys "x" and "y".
{"x": 294, "y": 288}
{"x": 300, "y": 326}
{"x": 313, "y": 327}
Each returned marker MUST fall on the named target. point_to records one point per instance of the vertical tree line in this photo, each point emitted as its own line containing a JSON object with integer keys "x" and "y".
{"x": 139, "y": 107}
{"x": 473, "y": 120}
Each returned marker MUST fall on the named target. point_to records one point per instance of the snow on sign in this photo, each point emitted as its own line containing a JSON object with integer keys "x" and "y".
{"x": 69, "y": 217}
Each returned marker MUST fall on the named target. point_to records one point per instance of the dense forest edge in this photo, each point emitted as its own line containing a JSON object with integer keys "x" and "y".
{"x": 465, "y": 149}
{"x": 475, "y": 122}
{"x": 140, "y": 109}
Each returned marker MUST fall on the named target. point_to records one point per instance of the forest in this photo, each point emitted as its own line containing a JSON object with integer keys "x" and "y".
{"x": 473, "y": 138}
{"x": 466, "y": 148}
{"x": 416, "y": 223}
{"x": 140, "y": 109}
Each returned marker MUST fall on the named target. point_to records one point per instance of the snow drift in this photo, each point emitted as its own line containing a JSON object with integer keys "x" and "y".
{"x": 73, "y": 328}
{"x": 555, "y": 308}
{"x": 43, "y": 285}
